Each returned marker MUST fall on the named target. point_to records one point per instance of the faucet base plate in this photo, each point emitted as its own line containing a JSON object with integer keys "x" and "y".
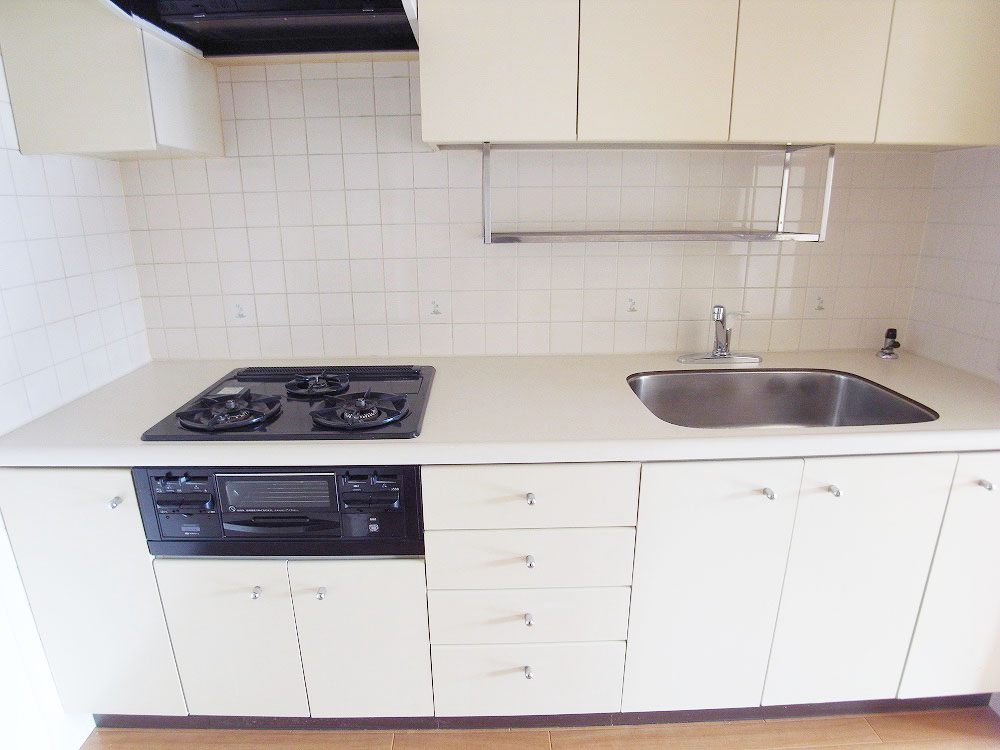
{"x": 719, "y": 359}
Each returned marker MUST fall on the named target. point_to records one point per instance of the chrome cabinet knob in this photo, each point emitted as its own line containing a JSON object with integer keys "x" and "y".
{"x": 528, "y": 674}
{"x": 321, "y": 593}
{"x": 768, "y": 493}
{"x": 115, "y": 502}
{"x": 529, "y": 619}
{"x": 986, "y": 484}
{"x": 835, "y": 490}
{"x": 531, "y": 498}
{"x": 529, "y": 560}
{"x": 256, "y": 592}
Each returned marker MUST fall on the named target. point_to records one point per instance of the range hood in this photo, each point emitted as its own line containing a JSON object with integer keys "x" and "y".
{"x": 256, "y": 27}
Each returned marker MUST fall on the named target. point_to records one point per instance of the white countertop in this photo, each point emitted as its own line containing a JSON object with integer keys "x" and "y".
{"x": 510, "y": 410}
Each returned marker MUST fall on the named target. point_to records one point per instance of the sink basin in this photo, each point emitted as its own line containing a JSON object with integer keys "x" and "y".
{"x": 773, "y": 398}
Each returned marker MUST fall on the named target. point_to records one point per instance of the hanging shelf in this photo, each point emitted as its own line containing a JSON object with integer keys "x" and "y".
{"x": 659, "y": 235}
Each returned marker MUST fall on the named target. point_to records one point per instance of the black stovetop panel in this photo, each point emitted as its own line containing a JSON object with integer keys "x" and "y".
{"x": 294, "y": 421}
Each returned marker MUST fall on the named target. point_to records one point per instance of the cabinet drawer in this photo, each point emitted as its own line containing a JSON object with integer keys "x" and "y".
{"x": 598, "y": 614}
{"x": 529, "y": 558}
{"x": 566, "y": 678}
{"x": 497, "y": 496}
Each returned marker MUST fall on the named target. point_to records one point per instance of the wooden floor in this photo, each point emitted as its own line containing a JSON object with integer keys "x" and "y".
{"x": 960, "y": 729}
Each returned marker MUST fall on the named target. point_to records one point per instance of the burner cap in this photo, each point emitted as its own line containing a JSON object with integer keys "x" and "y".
{"x": 360, "y": 411}
{"x": 317, "y": 385}
{"x": 220, "y": 413}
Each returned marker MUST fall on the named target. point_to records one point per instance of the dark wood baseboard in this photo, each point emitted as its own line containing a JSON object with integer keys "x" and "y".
{"x": 123, "y": 721}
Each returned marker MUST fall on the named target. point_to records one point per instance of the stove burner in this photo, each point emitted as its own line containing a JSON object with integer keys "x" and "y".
{"x": 359, "y": 411}
{"x": 220, "y": 413}
{"x": 319, "y": 385}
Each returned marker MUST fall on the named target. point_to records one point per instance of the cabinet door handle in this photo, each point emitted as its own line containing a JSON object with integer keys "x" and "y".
{"x": 768, "y": 493}
{"x": 835, "y": 490}
{"x": 528, "y": 674}
{"x": 529, "y": 619}
{"x": 321, "y": 593}
{"x": 115, "y": 502}
{"x": 529, "y": 560}
{"x": 256, "y": 592}
{"x": 986, "y": 484}
{"x": 531, "y": 498}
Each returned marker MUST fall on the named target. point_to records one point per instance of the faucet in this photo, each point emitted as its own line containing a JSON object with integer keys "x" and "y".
{"x": 720, "y": 349}
{"x": 888, "y": 348}
{"x": 722, "y": 334}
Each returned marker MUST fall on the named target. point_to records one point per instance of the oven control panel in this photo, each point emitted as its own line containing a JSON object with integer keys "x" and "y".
{"x": 329, "y": 511}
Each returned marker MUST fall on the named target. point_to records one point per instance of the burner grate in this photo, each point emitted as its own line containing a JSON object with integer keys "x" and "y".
{"x": 282, "y": 374}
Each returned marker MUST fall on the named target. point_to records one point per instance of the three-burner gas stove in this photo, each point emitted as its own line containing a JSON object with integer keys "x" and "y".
{"x": 302, "y": 403}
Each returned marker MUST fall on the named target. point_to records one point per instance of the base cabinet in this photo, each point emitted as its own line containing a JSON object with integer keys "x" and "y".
{"x": 233, "y": 630}
{"x": 956, "y": 646}
{"x": 362, "y": 628}
{"x": 710, "y": 556}
{"x": 864, "y": 536}
{"x": 535, "y": 678}
{"x": 81, "y": 552}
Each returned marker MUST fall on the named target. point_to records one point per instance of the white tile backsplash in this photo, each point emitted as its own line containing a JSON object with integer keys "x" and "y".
{"x": 71, "y": 318}
{"x": 331, "y": 229}
{"x": 956, "y": 299}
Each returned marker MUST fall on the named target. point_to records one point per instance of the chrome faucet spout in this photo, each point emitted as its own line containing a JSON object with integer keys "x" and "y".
{"x": 722, "y": 334}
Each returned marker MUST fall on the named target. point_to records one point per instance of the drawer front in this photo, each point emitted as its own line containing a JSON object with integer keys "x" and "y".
{"x": 529, "y": 558}
{"x": 530, "y": 496}
{"x": 529, "y": 615}
{"x": 566, "y": 678}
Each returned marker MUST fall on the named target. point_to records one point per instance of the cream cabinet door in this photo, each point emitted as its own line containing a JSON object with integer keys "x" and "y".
{"x": 530, "y": 496}
{"x": 233, "y": 631}
{"x": 498, "y": 71}
{"x": 956, "y": 646}
{"x": 942, "y": 77}
{"x": 89, "y": 580}
{"x": 656, "y": 70}
{"x": 809, "y": 70}
{"x": 527, "y": 679}
{"x": 363, "y": 633}
{"x": 856, "y": 572}
{"x": 529, "y": 558}
{"x": 711, "y": 548}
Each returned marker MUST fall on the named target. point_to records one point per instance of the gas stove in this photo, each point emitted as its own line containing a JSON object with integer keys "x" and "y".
{"x": 304, "y": 403}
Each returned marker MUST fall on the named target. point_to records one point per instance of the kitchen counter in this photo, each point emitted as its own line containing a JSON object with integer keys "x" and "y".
{"x": 510, "y": 410}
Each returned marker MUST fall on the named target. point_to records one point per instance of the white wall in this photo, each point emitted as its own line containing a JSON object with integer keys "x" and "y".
{"x": 331, "y": 229}
{"x": 70, "y": 318}
{"x": 956, "y": 304}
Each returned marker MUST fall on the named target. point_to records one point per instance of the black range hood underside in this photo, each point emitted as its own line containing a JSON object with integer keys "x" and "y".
{"x": 254, "y": 27}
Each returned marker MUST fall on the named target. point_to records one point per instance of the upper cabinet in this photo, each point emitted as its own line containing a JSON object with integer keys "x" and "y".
{"x": 809, "y": 72}
{"x": 656, "y": 71}
{"x": 498, "y": 71}
{"x": 84, "y": 79}
{"x": 750, "y": 71}
{"x": 942, "y": 77}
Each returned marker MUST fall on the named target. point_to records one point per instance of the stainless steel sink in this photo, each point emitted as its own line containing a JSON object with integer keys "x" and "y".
{"x": 772, "y": 398}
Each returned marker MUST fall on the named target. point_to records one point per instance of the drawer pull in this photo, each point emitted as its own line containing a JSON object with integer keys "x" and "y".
{"x": 321, "y": 593}
{"x": 835, "y": 490}
{"x": 529, "y": 619}
{"x": 531, "y": 498}
{"x": 116, "y": 501}
{"x": 768, "y": 493}
{"x": 530, "y": 561}
{"x": 986, "y": 484}
{"x": 255, "y": 594}
{"x": 528, "y": 674}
